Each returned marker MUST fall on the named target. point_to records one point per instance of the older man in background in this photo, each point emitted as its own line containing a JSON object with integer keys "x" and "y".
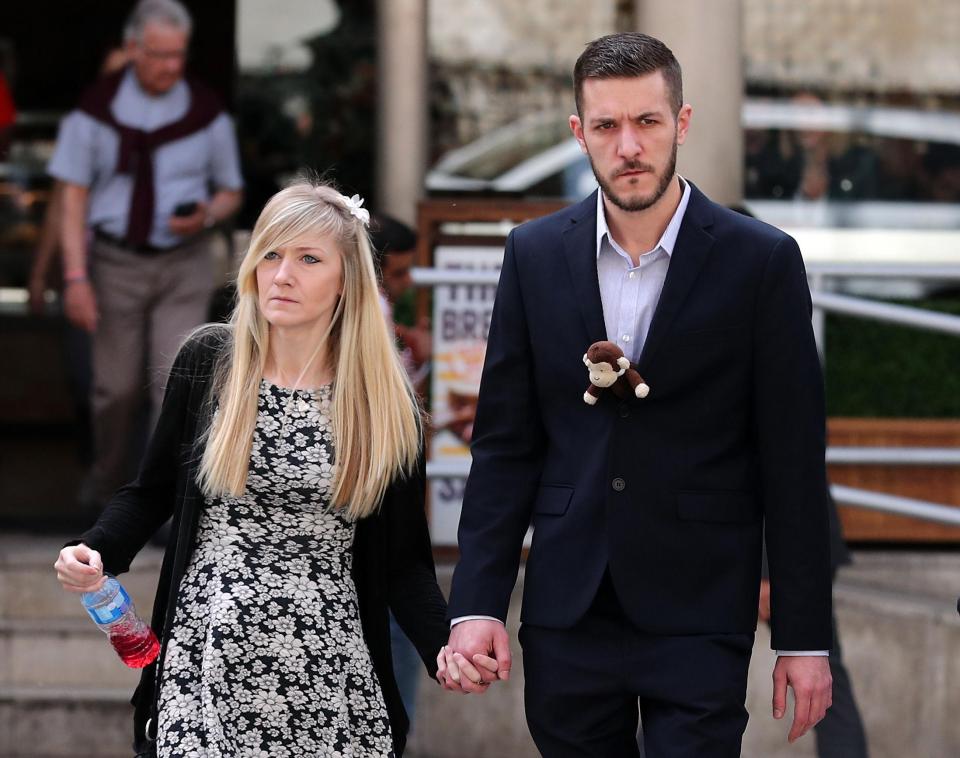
{"x": 138, "y": 158}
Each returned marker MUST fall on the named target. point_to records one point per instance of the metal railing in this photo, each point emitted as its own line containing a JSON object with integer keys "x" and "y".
{"x": 901, "y": 506}
{"x": 821, "y": 275}
{"x": 825, "y": 301}
{"x": 860, "y": 498}
{"x": 895, "y": 314}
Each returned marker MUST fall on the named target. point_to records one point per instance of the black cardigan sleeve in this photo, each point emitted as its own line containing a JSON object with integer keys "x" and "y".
{"x": 138, "y": 509}
{"x": 412, "y": 591}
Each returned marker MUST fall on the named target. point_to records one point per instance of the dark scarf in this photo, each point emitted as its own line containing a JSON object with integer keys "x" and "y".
{"x": 137, "y": 146}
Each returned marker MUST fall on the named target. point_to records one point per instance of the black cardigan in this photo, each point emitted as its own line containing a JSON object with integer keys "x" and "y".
{"x": 392, "y": 557}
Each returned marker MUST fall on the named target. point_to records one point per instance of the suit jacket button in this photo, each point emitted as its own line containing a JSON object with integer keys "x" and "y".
{"x": 624, "y": 410}
{"x": 619, "y": 484}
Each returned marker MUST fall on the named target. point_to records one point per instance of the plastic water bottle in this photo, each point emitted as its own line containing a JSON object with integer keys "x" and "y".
{"x": 112, "y": 610}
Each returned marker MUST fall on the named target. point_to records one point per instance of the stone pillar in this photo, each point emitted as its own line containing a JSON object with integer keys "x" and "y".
{"x": 402, "y": 112}
{"x": 706, "y": 38}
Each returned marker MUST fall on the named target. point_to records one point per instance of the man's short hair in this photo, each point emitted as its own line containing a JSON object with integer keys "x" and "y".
{"x": 387, "y": 235}
{"x": 168, "y": 12}
{"x": 628, "y": 54}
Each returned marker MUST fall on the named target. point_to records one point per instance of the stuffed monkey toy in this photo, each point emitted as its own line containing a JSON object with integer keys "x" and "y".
{"x": 609, "y": 367}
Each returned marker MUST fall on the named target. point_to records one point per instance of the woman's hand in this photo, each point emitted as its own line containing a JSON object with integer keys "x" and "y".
{"x": 80, "y": 569}
{"x": 452, "y": 668}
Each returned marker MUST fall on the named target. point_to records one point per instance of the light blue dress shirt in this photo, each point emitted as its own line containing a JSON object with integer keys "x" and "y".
{"x": 630, "y": 293}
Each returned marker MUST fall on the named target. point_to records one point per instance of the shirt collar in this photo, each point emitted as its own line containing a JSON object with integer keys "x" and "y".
{"x": 669, "y": 238}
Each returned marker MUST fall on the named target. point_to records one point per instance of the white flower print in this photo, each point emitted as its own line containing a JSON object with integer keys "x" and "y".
{"x": 269, "y": 702}
{"x": 266, "y": 657}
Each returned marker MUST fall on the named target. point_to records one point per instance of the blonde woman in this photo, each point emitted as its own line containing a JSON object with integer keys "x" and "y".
{"x": 289, "y": 452}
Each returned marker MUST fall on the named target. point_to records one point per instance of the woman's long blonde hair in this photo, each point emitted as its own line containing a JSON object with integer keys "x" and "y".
{"x": 375, "y": 414}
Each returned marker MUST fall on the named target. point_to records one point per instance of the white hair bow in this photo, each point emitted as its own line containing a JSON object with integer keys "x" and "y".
{"x": 355, "y": 206}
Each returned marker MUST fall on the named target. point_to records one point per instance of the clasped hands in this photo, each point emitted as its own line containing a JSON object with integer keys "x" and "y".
{"x": 476, "y": 655}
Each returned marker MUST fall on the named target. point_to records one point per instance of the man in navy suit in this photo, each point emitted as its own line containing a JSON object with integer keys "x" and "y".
{"x": 642, "y": 580}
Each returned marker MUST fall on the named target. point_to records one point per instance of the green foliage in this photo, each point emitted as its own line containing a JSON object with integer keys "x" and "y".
{"x": 887, "y": 370}
{"x": 405, "y": 309}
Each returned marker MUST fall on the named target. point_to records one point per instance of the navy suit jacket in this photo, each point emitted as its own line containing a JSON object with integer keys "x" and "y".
{"x": 670, "y": 492}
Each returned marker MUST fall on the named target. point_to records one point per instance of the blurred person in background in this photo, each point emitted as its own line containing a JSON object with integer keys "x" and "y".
{"x": 827, "y": 164}
{"x": 45, "y": 271}
{"x": 942, "y": 169}
{"x": 394, "y": 245}
{"x": 48, "y": 245}
{"x": 137, "y": 159}
{"x": 840, "y": 734}
{"x": 290, "y": 455}
{"x": 8, "y": 108}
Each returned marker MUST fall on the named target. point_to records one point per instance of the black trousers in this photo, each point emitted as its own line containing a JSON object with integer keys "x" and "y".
{"x": 583, "y": 686}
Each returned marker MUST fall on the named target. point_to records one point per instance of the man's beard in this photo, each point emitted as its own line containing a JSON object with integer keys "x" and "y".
{"x": 638, "y": 203}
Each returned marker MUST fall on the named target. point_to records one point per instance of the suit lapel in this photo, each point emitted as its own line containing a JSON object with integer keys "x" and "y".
{"x": 689, "y": 254}
{"x": 580, "y": 251}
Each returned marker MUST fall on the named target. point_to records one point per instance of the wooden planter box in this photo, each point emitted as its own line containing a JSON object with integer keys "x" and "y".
{"x": 936, "y": 484}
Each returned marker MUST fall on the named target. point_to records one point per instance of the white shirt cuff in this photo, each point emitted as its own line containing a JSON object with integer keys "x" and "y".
{"x": 458, "y": 619}
{"x": 819, "y": 653}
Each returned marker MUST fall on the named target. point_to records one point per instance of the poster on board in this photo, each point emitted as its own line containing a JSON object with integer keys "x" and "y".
{"x": 461, "y": 320}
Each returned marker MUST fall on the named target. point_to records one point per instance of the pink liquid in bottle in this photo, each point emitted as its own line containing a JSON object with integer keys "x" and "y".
{"x": 112, "y": 610}
{"x": 136, "y": 649}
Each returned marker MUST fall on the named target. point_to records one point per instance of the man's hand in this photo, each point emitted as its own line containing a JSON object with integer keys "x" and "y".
{"x": 763, "y": 613}
{"x": 80, "y": 304}
{"x": 481, "y": 653}
{"x": 187, "y": 226}
{"x": 809, "y": 676}
{"x": 457, "y": 674}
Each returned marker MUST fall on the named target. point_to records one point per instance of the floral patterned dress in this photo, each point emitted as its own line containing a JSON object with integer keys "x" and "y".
{"x": 266, "y": 656}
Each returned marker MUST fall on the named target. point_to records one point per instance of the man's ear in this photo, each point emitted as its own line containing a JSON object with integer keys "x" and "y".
{"x": 683, "y": 122}
{"x": 576, "y": 126}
